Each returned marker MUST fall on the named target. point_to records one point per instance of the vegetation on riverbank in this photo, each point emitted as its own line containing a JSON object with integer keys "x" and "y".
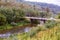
{"x": 11, "y": 17}
{"x": 38, "y": 33}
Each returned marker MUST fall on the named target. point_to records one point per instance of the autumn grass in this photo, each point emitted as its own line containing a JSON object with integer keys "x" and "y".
{"x": 48, "y": 34}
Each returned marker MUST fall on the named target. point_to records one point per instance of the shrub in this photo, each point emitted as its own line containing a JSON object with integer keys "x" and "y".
{"x": 2, "y": 19}
{"x": 59, "y": 16}
{"x": 13, "y": 24}
{"x": 12, "y": 14}
{"x": 50, "y": 24}
{"x": 34, "y": 30}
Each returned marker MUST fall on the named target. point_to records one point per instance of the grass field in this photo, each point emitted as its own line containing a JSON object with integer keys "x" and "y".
{"x": 49, "y": 34}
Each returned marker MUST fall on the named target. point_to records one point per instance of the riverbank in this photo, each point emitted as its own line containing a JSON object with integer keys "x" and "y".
{"x": 16, "y": 28}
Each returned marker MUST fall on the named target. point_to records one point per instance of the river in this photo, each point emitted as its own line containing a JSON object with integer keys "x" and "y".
{"x": 6, "y": 35}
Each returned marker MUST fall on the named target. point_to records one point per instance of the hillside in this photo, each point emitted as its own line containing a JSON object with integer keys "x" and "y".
{"x": 38, "y": 5}
{"x": 41, "y": 6}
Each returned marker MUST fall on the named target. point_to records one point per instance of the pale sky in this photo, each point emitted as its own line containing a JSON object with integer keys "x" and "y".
{"x": 56, "y": 2}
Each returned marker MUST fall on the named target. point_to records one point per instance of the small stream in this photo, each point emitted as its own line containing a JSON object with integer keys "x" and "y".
{"x": 26, "y": 29}
{"x": 5, "y": 35}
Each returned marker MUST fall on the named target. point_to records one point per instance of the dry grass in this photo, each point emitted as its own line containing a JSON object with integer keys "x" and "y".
{"x": 49, "y": 34}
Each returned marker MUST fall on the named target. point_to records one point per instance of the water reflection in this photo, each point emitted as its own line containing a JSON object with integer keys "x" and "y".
{"x": 6, "y": 35}
{"x": 27, "y": 29}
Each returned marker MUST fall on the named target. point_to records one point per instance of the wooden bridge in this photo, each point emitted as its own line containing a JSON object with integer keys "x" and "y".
{"x": 40, "y": 18}
{"x": 43, "y": 19}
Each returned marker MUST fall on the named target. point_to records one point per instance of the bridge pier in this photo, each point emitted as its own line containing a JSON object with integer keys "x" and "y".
{"x": 44, "y": 21}
{"x": 38, "y": 21}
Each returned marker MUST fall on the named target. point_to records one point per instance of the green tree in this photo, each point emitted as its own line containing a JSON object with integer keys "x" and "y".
{"x": 18, "y": 13}
{"x": 2, "y": 19}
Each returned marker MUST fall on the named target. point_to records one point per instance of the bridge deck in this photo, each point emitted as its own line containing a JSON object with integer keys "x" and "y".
{"x": 42, "y": 18}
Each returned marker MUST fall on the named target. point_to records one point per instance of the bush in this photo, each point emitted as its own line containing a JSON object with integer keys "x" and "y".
{"x": 59, "y": 16}
{"x": 12, "y": 14}
{"x": 50, "y": 24}
{"x": 2, "y": 19}
{"x": 13, "y": 24}
{"x": 34, "y": 30}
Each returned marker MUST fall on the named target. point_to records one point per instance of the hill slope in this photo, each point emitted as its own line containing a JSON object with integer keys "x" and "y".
{"x": 53, "y": 7}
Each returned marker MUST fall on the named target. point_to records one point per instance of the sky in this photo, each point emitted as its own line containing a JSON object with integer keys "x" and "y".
{"x": 56, "y": 2}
